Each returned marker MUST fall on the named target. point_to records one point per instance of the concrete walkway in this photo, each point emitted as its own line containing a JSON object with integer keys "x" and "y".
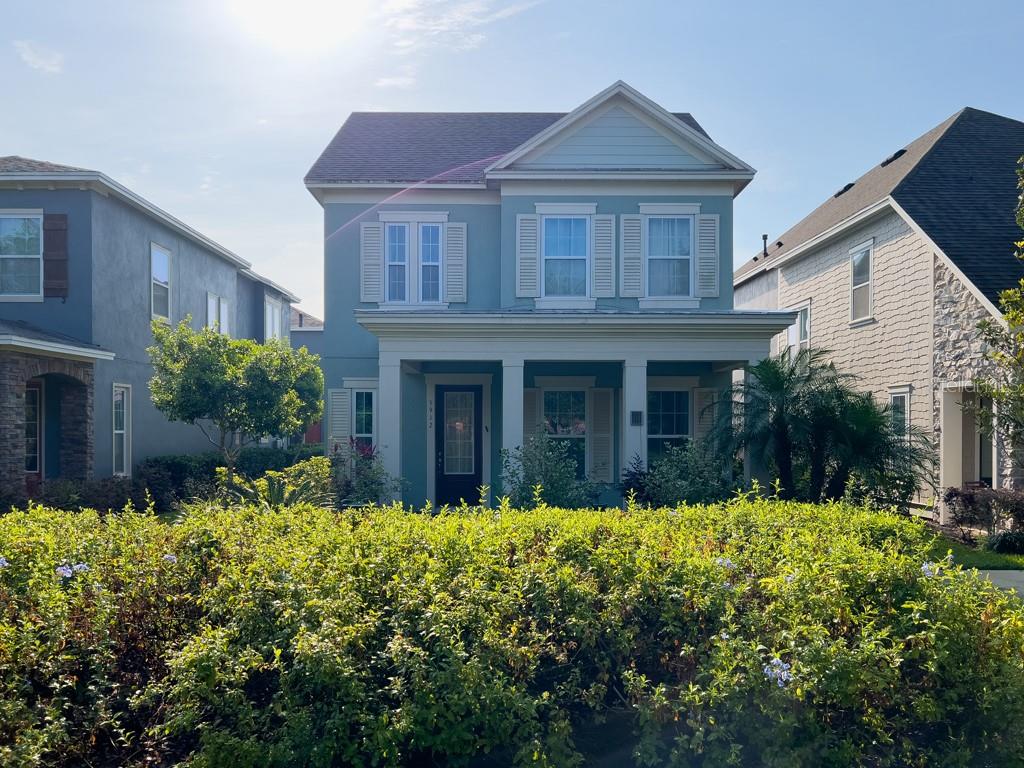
{"x": 1007, "y": 580}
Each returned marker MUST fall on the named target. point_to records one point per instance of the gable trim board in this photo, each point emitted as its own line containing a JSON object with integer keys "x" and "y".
{"x": 658, "y": 114}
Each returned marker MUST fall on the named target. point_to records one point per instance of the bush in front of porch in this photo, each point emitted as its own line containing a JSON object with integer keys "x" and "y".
{"x": 756, "y": 632}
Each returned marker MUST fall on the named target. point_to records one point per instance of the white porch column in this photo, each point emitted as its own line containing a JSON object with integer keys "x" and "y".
{"x": 634, "y": 398}
{"x": 511, "y": 403}
{"x": 389, "y": 417}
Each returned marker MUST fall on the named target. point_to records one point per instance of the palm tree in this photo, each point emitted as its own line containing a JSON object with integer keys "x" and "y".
{"x": 776, "y": 408}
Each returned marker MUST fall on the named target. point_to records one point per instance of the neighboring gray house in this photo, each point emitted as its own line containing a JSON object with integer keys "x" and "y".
{"x": 491, "y": 275}
{"x": 893, "y": 272}
{"x": 85, "y": 265}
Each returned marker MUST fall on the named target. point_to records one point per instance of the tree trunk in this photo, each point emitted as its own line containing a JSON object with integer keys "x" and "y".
{"x": 783, "y": 457}
{"x": 817, "y": 470}
{"x": 836, "y": 489}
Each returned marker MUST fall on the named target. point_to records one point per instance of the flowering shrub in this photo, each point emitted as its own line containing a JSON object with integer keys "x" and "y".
{"x": 755, "y": 632}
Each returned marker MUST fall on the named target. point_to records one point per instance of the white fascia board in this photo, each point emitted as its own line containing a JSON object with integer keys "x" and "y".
{"x": 594, "y": 175}
{"x": 94, "y": 177}
{"x": 53, "y": 348}
{"x": 837, "y": 230}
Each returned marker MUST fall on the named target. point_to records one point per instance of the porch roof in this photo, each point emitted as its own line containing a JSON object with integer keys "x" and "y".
{"x": 23, "y": 337}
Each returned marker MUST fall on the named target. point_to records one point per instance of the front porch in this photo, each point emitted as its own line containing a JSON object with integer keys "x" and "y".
{"x": 455, "y": 389}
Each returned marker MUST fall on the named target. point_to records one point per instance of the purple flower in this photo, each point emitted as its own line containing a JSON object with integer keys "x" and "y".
{"x": 929, "y": 569}
{"x": 778, "y": 672}
{"x": 3, "y": 562}
{"x": 64, "y": 571}
{"x": 725, "y": 562}
{"x": 790, "y": 577}
{"x": 170, "y": 558}
{"x": 79, "y": 567}
{"x": 948, "y": 559}
{"x": 724, "y": 635}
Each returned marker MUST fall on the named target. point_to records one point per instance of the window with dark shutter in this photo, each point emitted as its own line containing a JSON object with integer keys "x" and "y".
{"x": 55, "y": 255}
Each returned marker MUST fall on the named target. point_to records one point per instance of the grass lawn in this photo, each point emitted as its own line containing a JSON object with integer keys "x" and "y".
{"x": 976, "y": 557}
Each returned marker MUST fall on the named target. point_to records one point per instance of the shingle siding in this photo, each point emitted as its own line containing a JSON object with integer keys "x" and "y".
{"x": 895, "y": 348}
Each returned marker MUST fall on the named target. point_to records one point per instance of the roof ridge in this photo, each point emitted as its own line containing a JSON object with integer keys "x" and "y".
{"x": 949, "y": 122}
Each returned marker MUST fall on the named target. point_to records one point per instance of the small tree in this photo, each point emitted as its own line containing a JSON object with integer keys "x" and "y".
{"x": 234, "y": 390}
{"x": 1004, "y": 387}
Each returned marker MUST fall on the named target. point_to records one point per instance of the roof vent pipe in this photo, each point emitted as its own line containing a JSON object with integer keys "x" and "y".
{"x": 764, "y": 244}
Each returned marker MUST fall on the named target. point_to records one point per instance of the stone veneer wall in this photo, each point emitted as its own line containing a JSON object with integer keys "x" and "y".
{"x": 77, "y": 450}
{"x": 959, "y": 353}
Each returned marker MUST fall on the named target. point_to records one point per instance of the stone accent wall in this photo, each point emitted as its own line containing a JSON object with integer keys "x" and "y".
{"x": 77, "y": 450}
{"x": 894, "y": 348}
{"x": 959, "y": 354}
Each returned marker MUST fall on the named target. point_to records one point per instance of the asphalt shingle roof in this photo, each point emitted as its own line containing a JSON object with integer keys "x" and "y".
{"x": 957, "y": 182}
{"x": 17, "y": 164}
{"x": 28, "y": 331}
{"x": 372, "y": 147}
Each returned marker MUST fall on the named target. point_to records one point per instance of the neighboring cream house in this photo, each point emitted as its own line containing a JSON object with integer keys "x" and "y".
{"x": 894, "y": 271}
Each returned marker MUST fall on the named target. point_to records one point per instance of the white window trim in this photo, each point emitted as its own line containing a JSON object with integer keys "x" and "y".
{"x": 587, "y": 301}
{"x": 278, "y": 310}
{"x": 27, "y": 213}
{"x": 647, "y": 301}
{"x": 420, "y": 263}
{"x": 407, "y": 263}
{"x": 798, "y": 308}
{"x": 152, "y": 281}
{"x": 566, "y": 209}
{"x": 127, "y": 430}
{"x": 903, "y": 390}
{"x": 373, "y": 413}
{"x": 670, "y": 209}
{"x": 222, "y": 304}
{"x": 413, "y": 221}
{"x": 869, "y": 246}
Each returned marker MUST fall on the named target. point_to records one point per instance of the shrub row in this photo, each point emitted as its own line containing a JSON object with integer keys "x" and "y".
{"x": 988, "y": 509}
{"x": 754, "y": 633}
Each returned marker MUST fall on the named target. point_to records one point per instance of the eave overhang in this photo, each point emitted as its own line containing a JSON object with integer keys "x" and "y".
{"x": 14, "y": 342}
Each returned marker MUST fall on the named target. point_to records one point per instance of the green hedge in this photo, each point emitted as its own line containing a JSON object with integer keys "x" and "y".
{"x": 756, "y": 633}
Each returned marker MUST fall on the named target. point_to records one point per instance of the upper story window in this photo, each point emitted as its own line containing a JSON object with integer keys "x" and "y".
{"x": 160, "y": 276}
{"x": 218, "y": 313}
{"x": 798, "y": 335}
{"x": 669, "y": 255}
{"x": 860, "y": 282}
{"x": 273, "y": 320}
{"x": 21, "y": 256}
{"x": 413, "y": 261}
{"x": 565, "y": 255}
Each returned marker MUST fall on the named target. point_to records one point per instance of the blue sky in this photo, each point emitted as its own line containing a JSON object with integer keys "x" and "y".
{"x": 215, "y": 110}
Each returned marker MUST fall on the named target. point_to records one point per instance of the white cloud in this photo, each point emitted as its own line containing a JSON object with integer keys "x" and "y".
{"x": 417, "y": 24}
{"x": 404, "y": 77}
{"x": 39, "y": 57}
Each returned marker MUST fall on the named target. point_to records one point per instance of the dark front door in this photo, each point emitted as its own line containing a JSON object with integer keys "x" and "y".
{"x": 457, "y": 433}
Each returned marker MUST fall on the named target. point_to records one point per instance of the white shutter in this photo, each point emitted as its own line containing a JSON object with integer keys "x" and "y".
{"x": 371, "y": 261}
{"x": 455, "y": 263}
{"x": 339, "y": 421}
{"x": 600, "y": 421}
{"x": 632, "y": 255}
{"x": 603, "y": 262}
{"x": 527, "y": 255}
{"x": 703, "y": 412}
{"x": 531, "y": 413}
{"x": 707, "y": 255}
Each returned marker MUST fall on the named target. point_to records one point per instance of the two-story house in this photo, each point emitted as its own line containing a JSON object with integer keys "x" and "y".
{"x": 85, "y": 266}
{"x": 893, "y": 272}
{"x": 491, "y": 275}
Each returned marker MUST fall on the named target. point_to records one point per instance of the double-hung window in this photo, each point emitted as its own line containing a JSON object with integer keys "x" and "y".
{"x": 363, "y": 421}
{"x": 565, "y": 419}
{"x": 396, "y": 244}
{"x": 430, "y": 262}
{"x": 798, "y": 335}
{"x": 899, "y": 410}
{"x": 668, "y": 421}
{"x": 860, "y": 282}
{"x": 669, "y": 255}
{"x": 160, "y": 275}
{"x": 21, "y": 256}
{"x": 273, "y": 320}
{"x": 565, "y": 255}
{"x": 218, "y": 314}
{"x": 122, "y": 429}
